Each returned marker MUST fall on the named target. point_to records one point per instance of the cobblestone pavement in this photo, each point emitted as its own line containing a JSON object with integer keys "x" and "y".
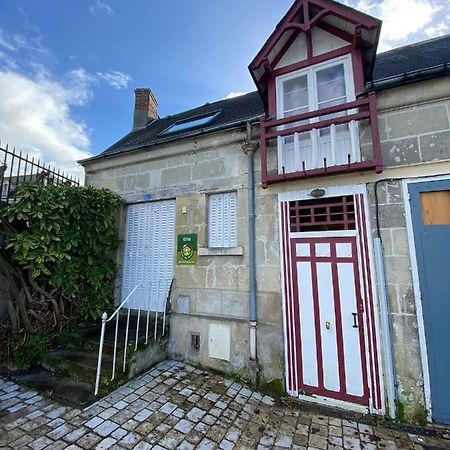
{"x": 176, "y": 406}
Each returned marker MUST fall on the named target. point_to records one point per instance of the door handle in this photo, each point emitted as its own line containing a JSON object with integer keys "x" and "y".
{"x": 355, "y": 320}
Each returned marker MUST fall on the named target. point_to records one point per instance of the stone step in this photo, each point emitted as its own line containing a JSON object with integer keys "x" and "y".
{"x": 81, "y": 365}
{"x": 90, "y": 337}
{"x": 66, "y": 391}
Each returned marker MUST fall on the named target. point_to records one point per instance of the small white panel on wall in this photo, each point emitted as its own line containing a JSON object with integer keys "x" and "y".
{"x": 219, "y": 341}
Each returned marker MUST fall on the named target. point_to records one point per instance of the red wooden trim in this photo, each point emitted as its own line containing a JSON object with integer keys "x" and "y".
{"x": 315, "y": 294}
{"x": 375, "y": 132}
{"x": 335, "y": 395}
{"x": 347, "y": 15}
{"x": 362, "y": 343}
{"x": 309, "y": 46}
{"x": 320, "y": 389}
{"x": 297, "y": 318}
{"x": 286, "y": 298}
{"x": 320, "y": 15}
{"x": 276, "y": 35}
{"x": 296, "y": 26}
{"x": 312, "y": 61}
{"x": 334, "y": 170}
{"x": 285, "y": 48}
{"x": 371, "y": 312}
{"x": 366, "y": 303}
{"x": 344, "y": 35}
{"x": 360, "y": 103}
{"x": 318, "y": 125}
{"x": 272, "y": 95}
{"x": 358, "y": 73}
{"x": 263, "y": 149}
{"x": 338, "y": 317}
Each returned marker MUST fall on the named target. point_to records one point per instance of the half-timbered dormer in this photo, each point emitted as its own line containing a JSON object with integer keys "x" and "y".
{"x": 311, "y": 74}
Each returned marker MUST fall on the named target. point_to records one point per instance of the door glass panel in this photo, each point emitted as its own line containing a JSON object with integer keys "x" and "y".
{"x": 435, "y": 207}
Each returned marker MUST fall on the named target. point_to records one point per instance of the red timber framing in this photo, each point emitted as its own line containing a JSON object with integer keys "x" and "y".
{"x": 361, "y": 45}
{"x": 357, "y": 373}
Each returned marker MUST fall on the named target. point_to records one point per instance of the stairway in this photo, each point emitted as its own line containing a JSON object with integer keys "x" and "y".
{"x": 68, "y": 375}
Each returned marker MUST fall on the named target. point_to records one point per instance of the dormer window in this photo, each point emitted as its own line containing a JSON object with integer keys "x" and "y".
{"x": 318, "y": 87}
{"x": 308, "y": 71}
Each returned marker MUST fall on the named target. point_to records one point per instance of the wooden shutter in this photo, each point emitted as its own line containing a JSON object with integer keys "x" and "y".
{"x": 222, "y": 222}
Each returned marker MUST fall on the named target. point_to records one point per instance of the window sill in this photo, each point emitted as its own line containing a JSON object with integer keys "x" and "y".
{"x": 226, "y": 251}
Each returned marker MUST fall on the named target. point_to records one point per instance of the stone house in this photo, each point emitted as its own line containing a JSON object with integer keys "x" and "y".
{"x": 306, "y": 224}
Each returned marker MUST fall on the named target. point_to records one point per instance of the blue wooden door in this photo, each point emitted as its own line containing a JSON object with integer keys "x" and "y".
{"x": 430, "y": 207}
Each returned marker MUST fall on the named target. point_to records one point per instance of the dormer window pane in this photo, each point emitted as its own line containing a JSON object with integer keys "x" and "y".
{"x": 296, "y": 95}
{"x": 331, "y": 86}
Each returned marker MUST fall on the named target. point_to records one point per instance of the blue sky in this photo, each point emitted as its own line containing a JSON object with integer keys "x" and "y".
{"x": 68, "y": 68}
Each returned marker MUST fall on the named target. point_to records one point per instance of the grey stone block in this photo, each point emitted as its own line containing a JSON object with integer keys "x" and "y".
{"x": 400, "y": 152}
{"x": 435, "y": 146}
{"x": 415, "y": 121}
{"x": 175, "y": 176}
{"x": 208, "y": 169}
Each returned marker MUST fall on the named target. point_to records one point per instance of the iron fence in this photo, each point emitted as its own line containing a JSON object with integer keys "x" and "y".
{"x": 16, "y": 169}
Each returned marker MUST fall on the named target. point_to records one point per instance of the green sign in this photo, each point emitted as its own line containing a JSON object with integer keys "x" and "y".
{"x": 187, "y": 249}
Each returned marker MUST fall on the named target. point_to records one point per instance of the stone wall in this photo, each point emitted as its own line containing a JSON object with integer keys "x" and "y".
{"x": 215, "y": 290}
{"x": 414, "y": 129}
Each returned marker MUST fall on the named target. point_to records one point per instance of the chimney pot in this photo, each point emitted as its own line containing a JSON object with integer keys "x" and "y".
{"x": 145, "y": 108}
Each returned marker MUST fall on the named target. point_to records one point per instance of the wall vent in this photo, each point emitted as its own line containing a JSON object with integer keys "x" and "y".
{"x": 195, "y": 341}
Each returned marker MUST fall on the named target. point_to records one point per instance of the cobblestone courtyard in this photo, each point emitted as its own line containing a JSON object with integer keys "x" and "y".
{"x": 176, "y": 406}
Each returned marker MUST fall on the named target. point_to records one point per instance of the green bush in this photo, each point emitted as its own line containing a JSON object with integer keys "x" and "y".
{"x": 65, "y": 239}
{"x": 30, "y": 352}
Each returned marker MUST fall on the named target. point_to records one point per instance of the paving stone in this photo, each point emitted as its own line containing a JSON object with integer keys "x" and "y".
{"x": 106, "y": 428}
{"x": 178, "y": 406}
{"x": 106, "y": 443}
{"x": 76, "y": 434}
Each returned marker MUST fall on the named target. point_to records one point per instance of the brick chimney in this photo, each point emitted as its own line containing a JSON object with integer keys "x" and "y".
{"x": 145, "y": 108}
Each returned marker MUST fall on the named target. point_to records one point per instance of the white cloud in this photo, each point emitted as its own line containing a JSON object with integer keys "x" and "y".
{"x": 404, "y": 19}
{"x": 99, "y": 6}
{"x": 36, "y": 108}
{"x": 35, "y": 117}
{"x": 114, "y": 78}
{"x": 233, "y": 94}
{"x": 439, "y": 29}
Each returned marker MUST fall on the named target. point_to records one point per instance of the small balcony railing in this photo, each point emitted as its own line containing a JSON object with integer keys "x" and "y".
{"x": 334, "y": 140}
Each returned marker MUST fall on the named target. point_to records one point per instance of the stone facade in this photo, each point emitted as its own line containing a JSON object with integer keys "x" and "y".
{"x": 414, "y": 127}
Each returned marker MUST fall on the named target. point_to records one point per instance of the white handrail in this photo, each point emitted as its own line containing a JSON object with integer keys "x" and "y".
{"x": 105, "y": 319}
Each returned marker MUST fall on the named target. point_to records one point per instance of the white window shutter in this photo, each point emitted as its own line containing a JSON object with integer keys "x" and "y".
{"x": 222, "y": 226}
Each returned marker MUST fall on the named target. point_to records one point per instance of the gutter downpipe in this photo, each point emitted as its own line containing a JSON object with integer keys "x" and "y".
{"x": 385, "y": 322}
{"x": 249, "y": 147}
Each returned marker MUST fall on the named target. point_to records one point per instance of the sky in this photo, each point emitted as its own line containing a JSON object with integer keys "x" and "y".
{"x": 68, "y": 69}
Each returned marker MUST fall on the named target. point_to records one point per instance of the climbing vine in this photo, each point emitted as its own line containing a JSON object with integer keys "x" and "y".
{"x": 56, "y": 256}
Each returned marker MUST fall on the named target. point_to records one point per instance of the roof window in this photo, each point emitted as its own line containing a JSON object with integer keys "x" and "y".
{"x": 193, "y": 122}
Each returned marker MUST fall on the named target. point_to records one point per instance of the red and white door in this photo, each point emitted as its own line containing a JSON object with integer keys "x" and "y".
{"x": 331, "y": 348}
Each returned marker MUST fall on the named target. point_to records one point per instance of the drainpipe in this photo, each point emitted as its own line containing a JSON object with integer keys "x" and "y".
{"x": 385, "y": 322}
{"x": 250, "y": 146}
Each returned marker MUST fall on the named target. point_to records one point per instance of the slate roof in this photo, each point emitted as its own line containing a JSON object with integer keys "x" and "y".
{"x": 413, "y": 57}
{"x": 235, "y": 112}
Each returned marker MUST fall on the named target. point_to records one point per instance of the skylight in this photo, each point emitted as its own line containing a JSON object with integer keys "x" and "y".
{"x": 191, "y": 123}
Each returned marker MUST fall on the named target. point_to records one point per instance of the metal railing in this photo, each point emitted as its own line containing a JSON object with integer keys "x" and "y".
{"x": 146, "y": 292}
{"x": 16, "y": 169}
